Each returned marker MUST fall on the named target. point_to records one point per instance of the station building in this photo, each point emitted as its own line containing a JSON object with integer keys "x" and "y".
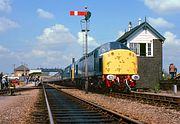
{"x": 146, "y": 42}
{"x": 21, "y": 70}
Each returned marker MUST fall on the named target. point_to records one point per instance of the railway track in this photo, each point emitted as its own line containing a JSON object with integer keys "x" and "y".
{"x": 40, "y": 113}
{"x": 65, "y": 108}
{"x": 171, "y": 102}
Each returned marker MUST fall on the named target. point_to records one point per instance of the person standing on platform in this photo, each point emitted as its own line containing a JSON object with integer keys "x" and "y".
{"x": 172, "y": 70}
{"x": 6, "y": 82}
{"x": 3, "y": 82}
{"x": 1, "y": 75}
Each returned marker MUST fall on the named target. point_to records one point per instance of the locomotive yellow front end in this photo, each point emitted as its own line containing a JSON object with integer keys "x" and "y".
{"x": 120, "y": 69}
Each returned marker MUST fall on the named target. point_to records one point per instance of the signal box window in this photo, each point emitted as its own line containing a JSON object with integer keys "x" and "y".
{"x": 142, "y": 49}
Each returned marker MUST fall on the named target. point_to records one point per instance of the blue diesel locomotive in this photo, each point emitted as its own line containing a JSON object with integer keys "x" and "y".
{"x": 111, "y": 66}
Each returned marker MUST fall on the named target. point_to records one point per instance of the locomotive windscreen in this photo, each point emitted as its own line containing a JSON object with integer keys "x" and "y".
{"x": 111, "y": 46}
{"x": 118, "y": 45}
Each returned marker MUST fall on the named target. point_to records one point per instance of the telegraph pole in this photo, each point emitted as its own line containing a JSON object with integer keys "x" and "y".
{"x": 84, "y": 21}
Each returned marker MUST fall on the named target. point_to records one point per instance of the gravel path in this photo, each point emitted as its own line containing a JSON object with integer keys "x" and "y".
{"x": 144, "y": 112}
{"x": 16, "y": 109}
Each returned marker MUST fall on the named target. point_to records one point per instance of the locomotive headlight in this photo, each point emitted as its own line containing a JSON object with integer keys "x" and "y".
{"x": 135, "y": 77}
{"x": 111, "y": 77}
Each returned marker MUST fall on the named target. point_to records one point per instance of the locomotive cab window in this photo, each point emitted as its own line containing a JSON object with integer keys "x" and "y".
{"x": 100, "y": 65}
{"x": 118, "y": 45}
{"x": 104, "y": 48}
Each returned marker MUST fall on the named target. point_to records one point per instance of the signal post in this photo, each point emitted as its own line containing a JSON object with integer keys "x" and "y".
{"x": 84, "y": 21}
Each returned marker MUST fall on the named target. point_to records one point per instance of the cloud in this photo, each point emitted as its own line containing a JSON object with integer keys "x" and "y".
{"x": 52, "y": 57}
{"x": 171, "y": 39}
{"x": 6, "y": 24}
{"x": 3, "y": 50}
{"x": 160, "y": 22}
{"x": 8, "y": 58}
{"x": 57, "y": 34}
{"x": 171, "y": 50}
{"x": 5, "y": 6}
{"x": 45, "y": 14}
{"x": 163, "y": 6}
{"x": 91, "y": 41}
{"x": 7, "y": 53}
{"x": 55, "y": 46}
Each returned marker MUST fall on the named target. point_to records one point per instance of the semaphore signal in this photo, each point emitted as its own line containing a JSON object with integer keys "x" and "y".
{"x": 85, "y": 21}
{"x": 87, "y": 14}
{"x": 78, "y": 13}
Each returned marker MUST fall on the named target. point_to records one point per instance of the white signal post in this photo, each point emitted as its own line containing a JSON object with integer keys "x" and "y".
{"x": 87, "y": 15}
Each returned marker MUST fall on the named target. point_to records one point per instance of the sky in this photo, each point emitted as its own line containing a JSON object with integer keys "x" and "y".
{"x": 41, "y": 33}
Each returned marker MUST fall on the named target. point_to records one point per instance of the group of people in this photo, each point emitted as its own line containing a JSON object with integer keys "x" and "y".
{"x": 172, "y": 70}
{"x": 35, "y": 79}
{"x": 5, "y": 83}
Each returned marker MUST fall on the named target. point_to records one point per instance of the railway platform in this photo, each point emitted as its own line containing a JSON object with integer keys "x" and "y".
{"x": 168, "y": 84}
{"x": 16, "y": 109}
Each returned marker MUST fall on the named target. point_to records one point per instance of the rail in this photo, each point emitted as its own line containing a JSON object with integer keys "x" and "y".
{"x": 48, "y": 107}
{"x": 117, "y": 116}
{"x": 169, "y": 101}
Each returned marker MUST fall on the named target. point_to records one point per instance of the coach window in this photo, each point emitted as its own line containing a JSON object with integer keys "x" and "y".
{"x": 76, "y": 69}
{"x": 68, "y": 70}
{"x": 96, "y": 54}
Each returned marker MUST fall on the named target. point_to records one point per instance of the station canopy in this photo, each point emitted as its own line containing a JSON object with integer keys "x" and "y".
{"x": 35, "y": 71}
